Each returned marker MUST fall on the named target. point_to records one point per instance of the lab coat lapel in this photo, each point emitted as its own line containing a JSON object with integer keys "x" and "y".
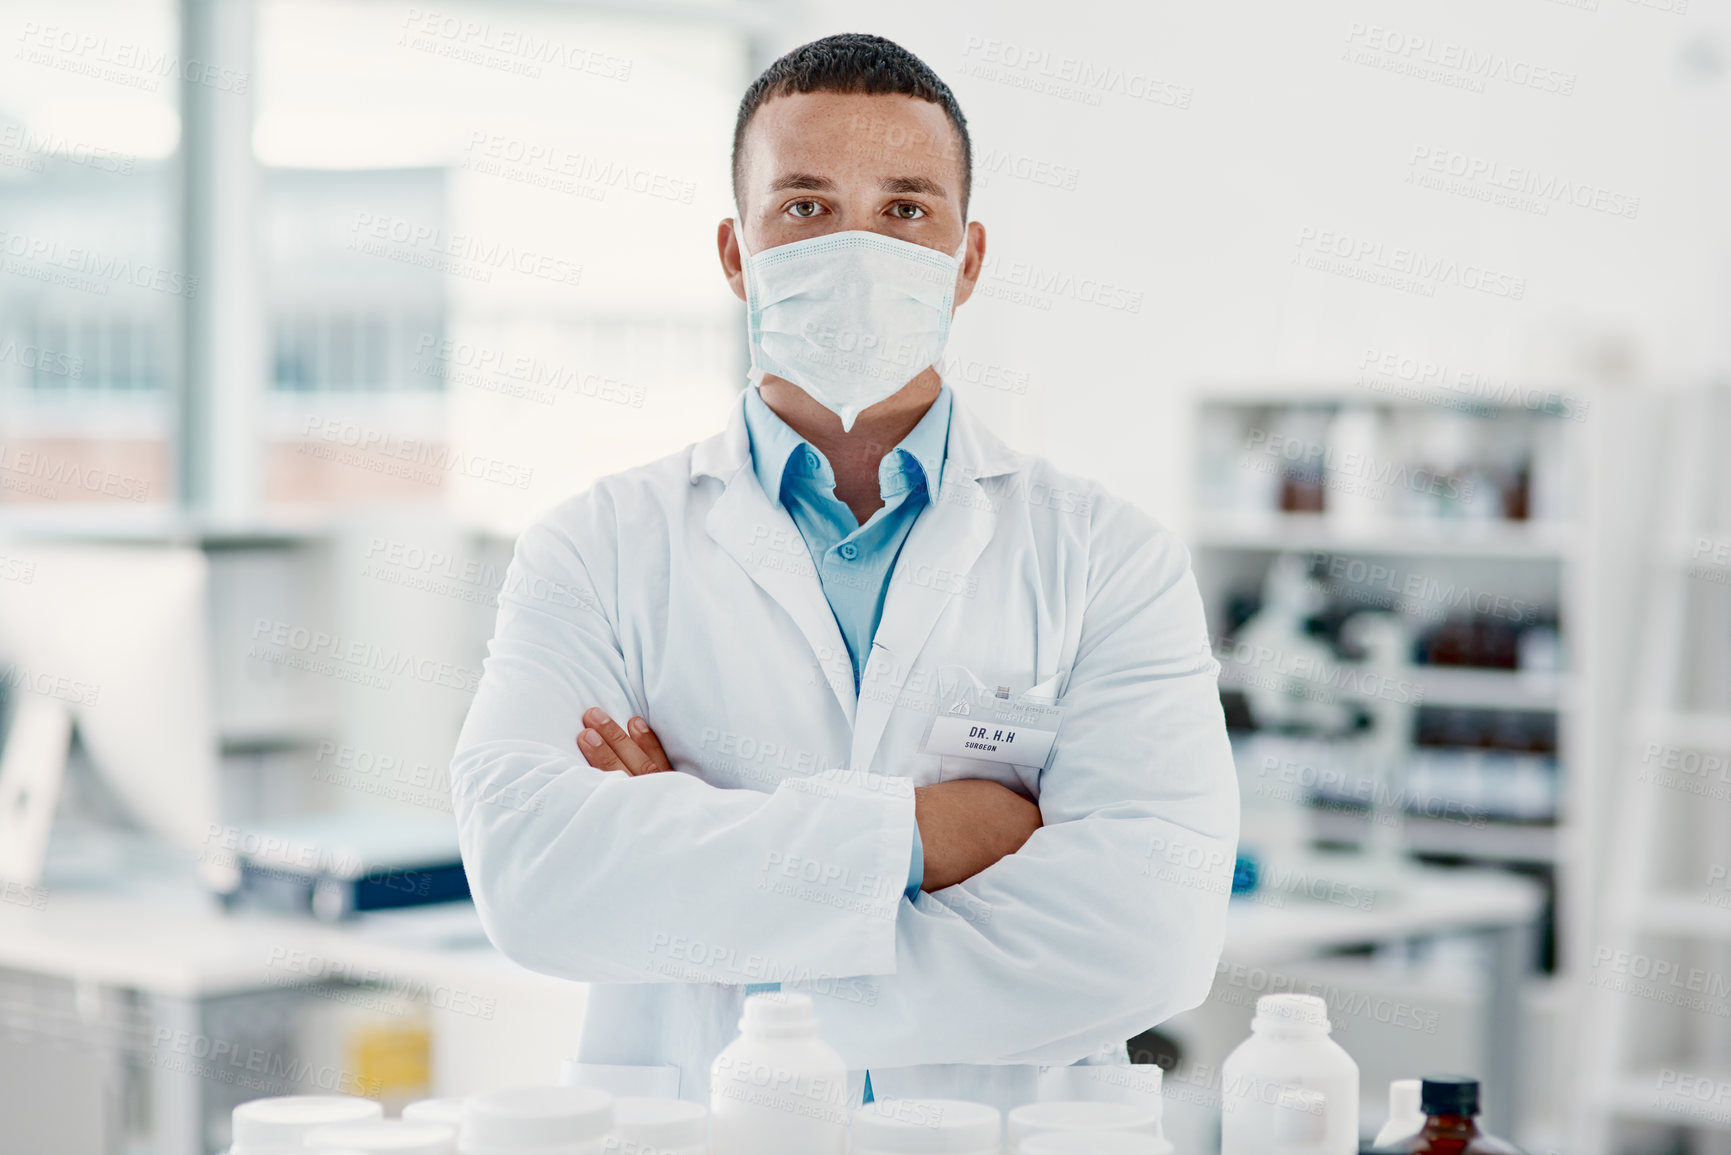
{"x": 755, "y": 531}
{"x": 948, "y": 537}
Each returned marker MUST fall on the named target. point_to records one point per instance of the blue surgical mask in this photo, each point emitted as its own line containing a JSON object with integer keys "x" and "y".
{"x": 848, "y": 317}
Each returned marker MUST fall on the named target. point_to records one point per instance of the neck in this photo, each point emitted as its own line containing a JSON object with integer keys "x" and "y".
{"x": 854, "y": 454}
{"x": 1451, "y": 1123}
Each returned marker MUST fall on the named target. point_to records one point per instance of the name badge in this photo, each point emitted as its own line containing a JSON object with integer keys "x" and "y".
{"x": 976, "y": 721}
{"x": 990, "y": 740}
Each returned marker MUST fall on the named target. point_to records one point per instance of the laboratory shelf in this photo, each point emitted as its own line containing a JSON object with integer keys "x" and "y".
{"x": 1317, "y": 532}
{"x": 1459, "y": 687}
{"x": 1697, "y": 730}
{"x": 1538, "y": 461}
{"x": 273, "y": 730}
{"x": 1706, "y": 550}
{"x": 1686, "y": 914}
{"x": 1379, "y": 394}
{"x": 1480, "y": 689}
{"x": 1674, "y": 1096}
{"x": 266, "y": 739}
{"x": 1493, "y": 841}
{"x": 162, "y": 525}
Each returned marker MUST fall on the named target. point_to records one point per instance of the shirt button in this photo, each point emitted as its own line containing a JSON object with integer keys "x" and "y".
{"x": 848, "y": 550}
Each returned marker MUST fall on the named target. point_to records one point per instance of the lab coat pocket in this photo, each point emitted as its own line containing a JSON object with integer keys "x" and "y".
{"x": 981, "y": 731}
{"x": 1046, "y": 693}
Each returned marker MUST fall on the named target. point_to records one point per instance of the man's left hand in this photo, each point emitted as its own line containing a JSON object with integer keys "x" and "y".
{"x": 633, "y": 748}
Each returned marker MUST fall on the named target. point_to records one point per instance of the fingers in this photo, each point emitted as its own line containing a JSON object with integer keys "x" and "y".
{"x": 629, "y": 754}
{"x": 607, "y": 746}
{"x": 597, "y": 752}
{"x": 650, "y": 744}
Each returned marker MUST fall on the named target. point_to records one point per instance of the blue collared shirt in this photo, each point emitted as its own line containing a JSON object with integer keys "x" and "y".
{"x": 853, "y": 561}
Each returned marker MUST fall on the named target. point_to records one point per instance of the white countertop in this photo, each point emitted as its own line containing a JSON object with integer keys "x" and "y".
{"x": 1424, "y": 901}
{"x": 166, "y": 937}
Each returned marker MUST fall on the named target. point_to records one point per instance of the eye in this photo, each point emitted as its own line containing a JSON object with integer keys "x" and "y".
{"x": 908, "y": 211}
{"x": 804, "y": 208}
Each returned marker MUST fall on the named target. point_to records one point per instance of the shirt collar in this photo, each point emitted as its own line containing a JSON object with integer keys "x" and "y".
{"x": 928, "y": 441}
{"x": 774, "y": 443}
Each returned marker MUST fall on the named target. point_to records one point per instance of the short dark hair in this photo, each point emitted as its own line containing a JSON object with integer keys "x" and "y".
{"x": 855, "y": 63}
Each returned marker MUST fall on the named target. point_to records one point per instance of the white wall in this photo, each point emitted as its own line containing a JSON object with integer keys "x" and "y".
{"x": 1201, "y": 208}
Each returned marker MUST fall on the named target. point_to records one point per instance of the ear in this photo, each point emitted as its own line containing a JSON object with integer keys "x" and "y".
{"x": 973, "y": 260}
{"x": 727, "y": 246}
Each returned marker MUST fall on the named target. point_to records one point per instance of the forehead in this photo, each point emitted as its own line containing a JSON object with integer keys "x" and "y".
{"x": 835, "y": 134}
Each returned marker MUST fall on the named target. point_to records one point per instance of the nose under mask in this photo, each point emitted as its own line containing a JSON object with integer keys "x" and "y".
{"x": 849, "y": 317}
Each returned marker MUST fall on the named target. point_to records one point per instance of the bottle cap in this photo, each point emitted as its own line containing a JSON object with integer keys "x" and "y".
{"x": 1095, "y": 1143}
{"x": 1307, "y": 1013}
{"x": 530, "y": 1117}
{"x": 926, "y": 1125}
{"x": 269, "y": 1125}
{"x": 1405, "y": 1119}
{"x": 1403, "y": 1099}
{"x": 661, "y": 1122}
{"x": 446, "y": 1111}
{"x": 1082, "y": 1115}
{"x": 1450, "y": 1095}
{"x": 779, "y": 1013}
{"x": 386, "y": 1137}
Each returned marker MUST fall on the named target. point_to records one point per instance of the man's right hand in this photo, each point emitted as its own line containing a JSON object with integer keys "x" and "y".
{"x": 633, "y": 748}
{"x": 967, "y": 825}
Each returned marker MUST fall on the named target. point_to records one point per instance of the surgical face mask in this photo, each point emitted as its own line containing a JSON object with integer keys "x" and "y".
{"x": 848, "y": 317}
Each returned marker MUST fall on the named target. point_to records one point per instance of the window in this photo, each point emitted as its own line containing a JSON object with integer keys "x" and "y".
{"x": 486, "y": 238}
{"x": 90, "y": 277}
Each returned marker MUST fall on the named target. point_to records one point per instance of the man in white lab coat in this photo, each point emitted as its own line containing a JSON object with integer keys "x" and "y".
{"x": 851, "y": 697}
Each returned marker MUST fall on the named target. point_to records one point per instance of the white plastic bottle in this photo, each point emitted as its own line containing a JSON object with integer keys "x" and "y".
{"x": 273, "y": 1126}
{"x": 928, "y": 1127}
{"x": 1405, "y": 1117}
{"x": 643, "y": 1126}
{"x": 1300, "y": 1123}
{"x": 385, "y": 1137}
{"x": 536, "y": 1121}
{"x": 1033, "y": 1119}
{"x": 446, "y": 1111}
{"x": 778, "y": 1089}
{"x": 1095, "y": 1143}
{"x": 1288, "y": 1047}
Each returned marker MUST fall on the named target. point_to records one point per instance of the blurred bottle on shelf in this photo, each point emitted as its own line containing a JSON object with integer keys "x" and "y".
{"x": 1299, "y": 441}
{"x": 1233, "y": 477}
{"x": 1356, "y": 495}
{"x": 1515, "y": 638}
{"x": 1362, "y": 463}
{"x": 1548, "y": 485}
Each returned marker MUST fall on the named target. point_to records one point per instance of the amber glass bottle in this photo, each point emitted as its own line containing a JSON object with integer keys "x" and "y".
{"x": 1451, "y": 1105}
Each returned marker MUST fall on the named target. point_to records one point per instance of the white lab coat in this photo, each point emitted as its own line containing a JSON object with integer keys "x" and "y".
{"x": 778, "y": 851}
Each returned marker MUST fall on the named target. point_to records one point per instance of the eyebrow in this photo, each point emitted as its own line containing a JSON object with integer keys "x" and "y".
{"x": 913, "y": 184}
{"x": 811, "y": 182}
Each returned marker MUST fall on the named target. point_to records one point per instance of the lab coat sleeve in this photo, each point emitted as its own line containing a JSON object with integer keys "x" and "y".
{"x": 600, "y": 876}
{"x": 1111, "y": 918}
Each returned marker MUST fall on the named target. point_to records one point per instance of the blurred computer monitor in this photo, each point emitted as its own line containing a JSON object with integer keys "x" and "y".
{"x": 37, "y": 732}
{"x": 118, "y": 637}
